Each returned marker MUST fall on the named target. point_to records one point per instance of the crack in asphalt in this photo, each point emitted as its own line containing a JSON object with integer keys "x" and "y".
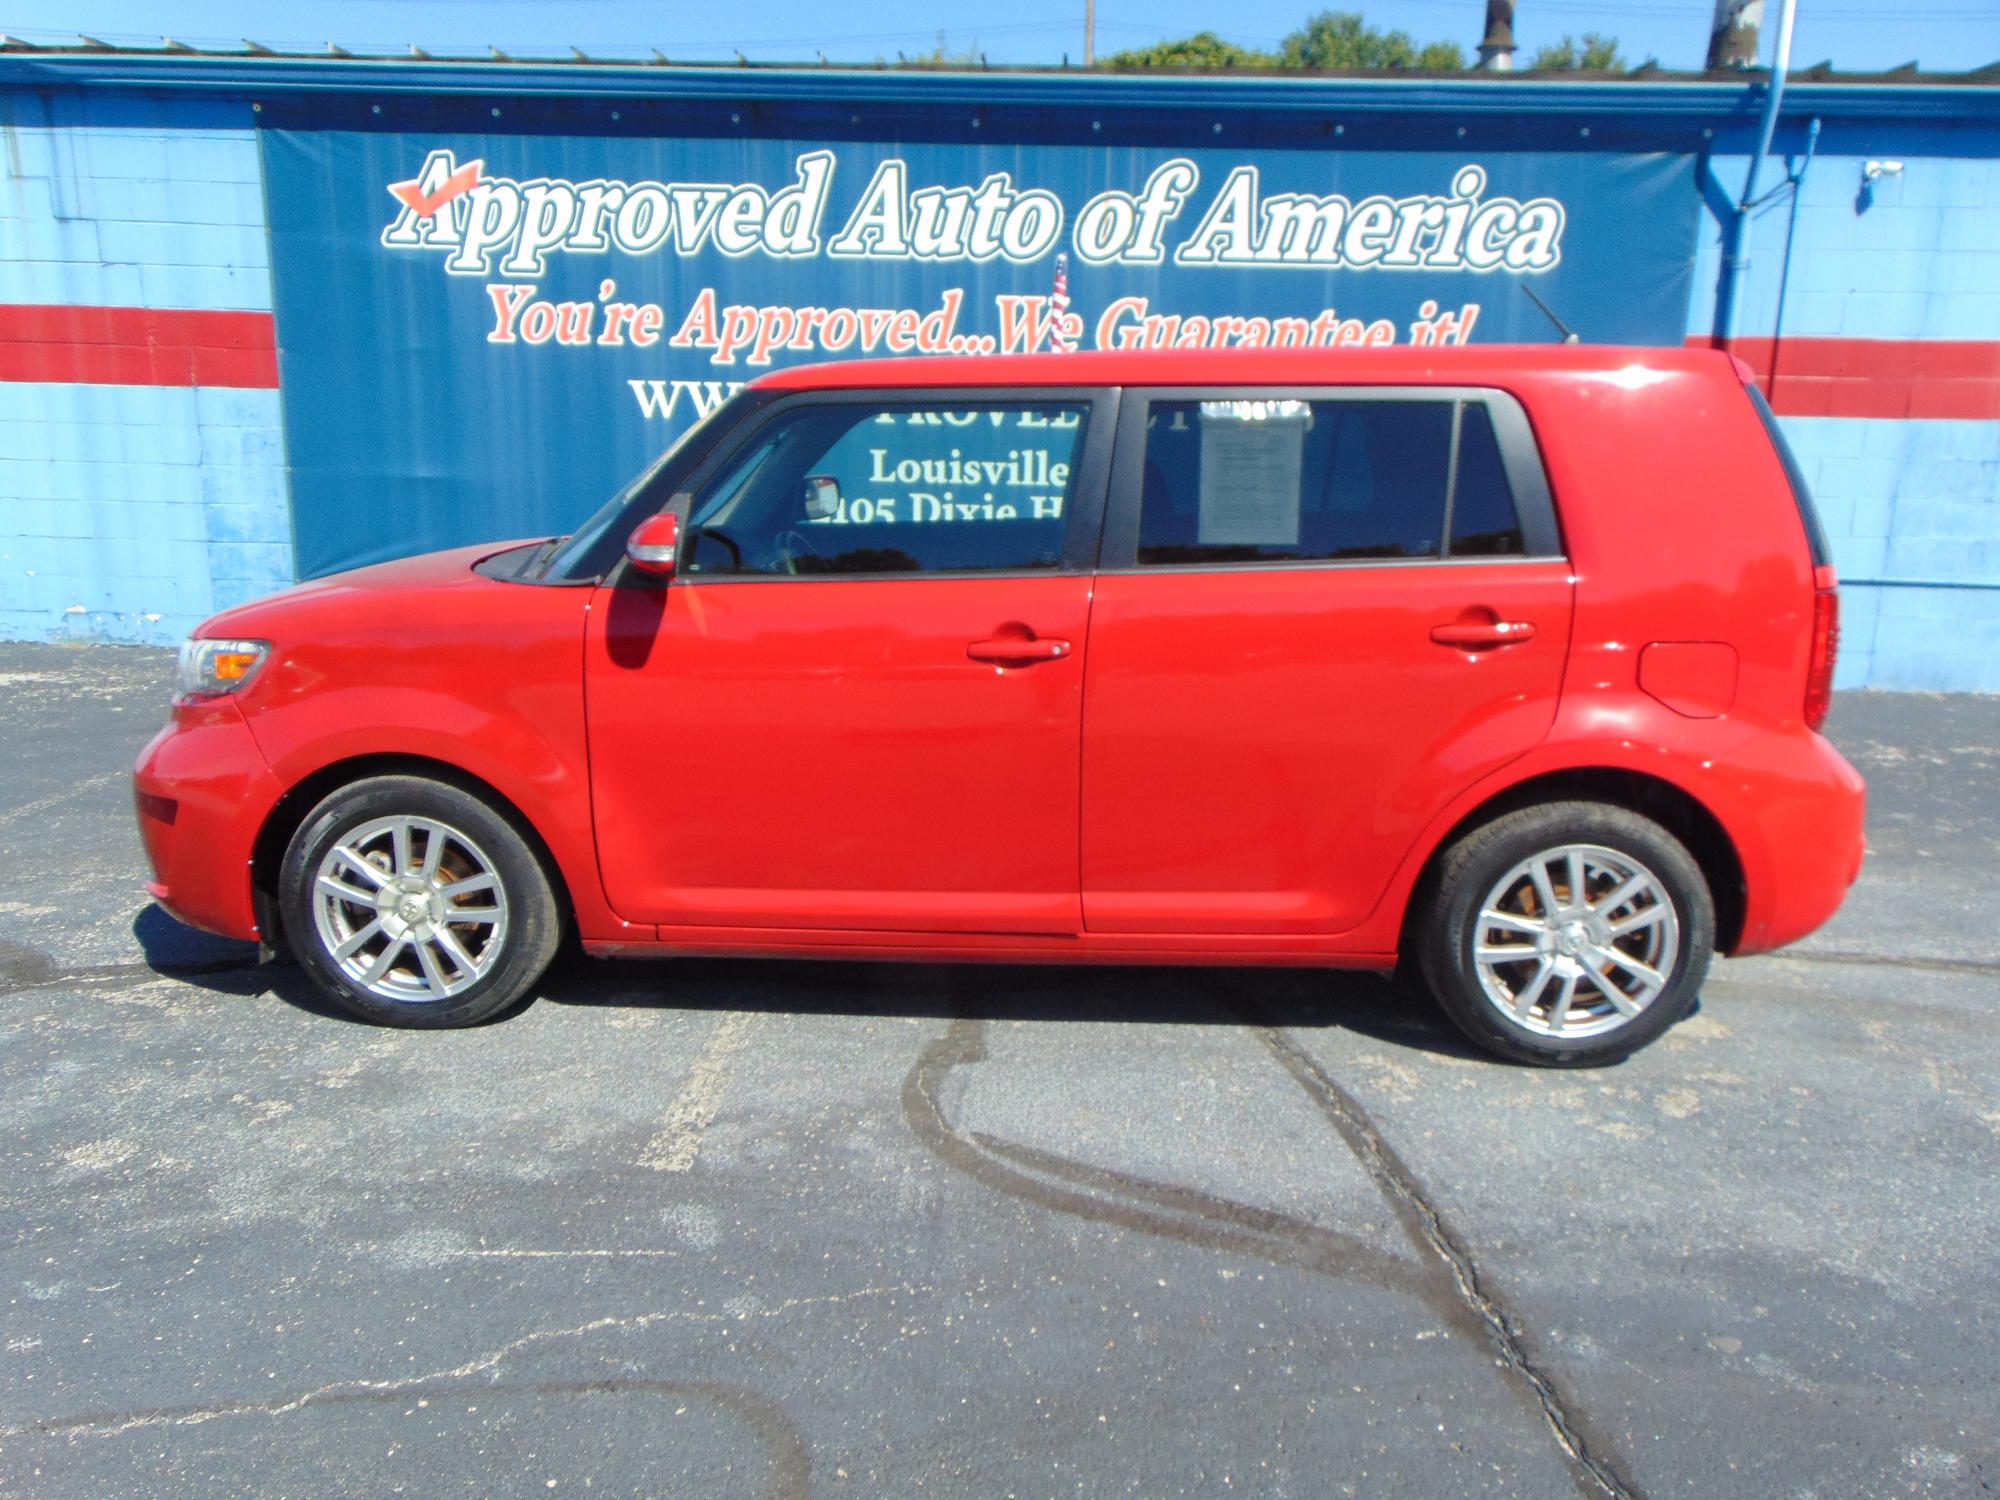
{"x": 789, "y": 1465}
{"x": 1398, "y": 1184}
{"x": 1883, "y": 960}
{"x": 1202, "y": 1219}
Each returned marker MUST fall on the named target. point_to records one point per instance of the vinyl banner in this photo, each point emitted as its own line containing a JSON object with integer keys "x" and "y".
{"x": 482, "y": 336}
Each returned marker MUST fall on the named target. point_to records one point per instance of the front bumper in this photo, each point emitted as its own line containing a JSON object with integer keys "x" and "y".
{"x": 203, "y": 791}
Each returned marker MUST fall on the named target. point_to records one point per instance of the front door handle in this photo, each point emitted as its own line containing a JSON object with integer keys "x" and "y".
{"x": 1017, "y": 651}
{"x": 1482, "y": 635}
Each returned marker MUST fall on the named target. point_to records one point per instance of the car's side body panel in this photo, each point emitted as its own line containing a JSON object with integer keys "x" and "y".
{"x": 1302, "y": 725}
{"x": 823, "y": 753}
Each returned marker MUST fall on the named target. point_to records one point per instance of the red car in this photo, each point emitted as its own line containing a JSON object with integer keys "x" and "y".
{"x": 1506, "y": 665}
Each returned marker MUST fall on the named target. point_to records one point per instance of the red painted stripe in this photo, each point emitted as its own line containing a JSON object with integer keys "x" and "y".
{"x": 137, "y": 346}
{"x": 1837, "y": 377}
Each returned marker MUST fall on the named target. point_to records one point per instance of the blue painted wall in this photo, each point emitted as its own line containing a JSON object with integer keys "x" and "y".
{"x": 1912, "y": 507}
{"x": 129, "y": 513}
{"x": 133, "y": 512}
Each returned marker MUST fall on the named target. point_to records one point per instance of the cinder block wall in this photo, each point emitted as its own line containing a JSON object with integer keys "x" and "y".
{"x": 142, "y": 464}
{"x": 139, "y": 495}
{"x": 1890, "y": 318}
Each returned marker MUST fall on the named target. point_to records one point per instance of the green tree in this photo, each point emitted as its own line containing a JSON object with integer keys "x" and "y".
{"x": 1599, "y": 54}
{"x": 942, "y": 56}
{"x": 1341, "y": 40}
{"x": 1337, "y": 40}
{"x": 1202, "y": 50}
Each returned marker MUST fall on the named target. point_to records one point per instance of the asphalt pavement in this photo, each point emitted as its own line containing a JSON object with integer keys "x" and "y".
{"x": 713, "y": 1229}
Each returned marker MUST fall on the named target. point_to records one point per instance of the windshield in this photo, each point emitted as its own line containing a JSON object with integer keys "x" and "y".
{"x": 597, "y": 544}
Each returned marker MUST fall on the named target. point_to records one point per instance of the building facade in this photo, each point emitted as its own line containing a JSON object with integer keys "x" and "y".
{"x": 261, "y": 318}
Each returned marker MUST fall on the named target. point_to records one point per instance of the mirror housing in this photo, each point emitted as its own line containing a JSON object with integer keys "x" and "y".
{"x": 822, "y": 497}
{"x": 654, "y": 545}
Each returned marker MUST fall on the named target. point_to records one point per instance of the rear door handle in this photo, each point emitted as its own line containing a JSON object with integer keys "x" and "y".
{"x": 1017, "y": 651}
{"x": 1471, "y": 635}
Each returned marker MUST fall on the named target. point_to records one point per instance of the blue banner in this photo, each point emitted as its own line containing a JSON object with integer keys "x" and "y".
{"x": 482, "y": 336}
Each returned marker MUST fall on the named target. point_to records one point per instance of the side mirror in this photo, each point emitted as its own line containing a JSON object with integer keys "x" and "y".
{"x": 822, "y": 497}
{"x": 654, "y": 545}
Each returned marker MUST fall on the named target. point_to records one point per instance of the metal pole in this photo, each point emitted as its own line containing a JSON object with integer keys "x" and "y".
{"x": 1780, "y": 66}
{"x": 1089, "y": 32}
{"x": 1736, "y": 233}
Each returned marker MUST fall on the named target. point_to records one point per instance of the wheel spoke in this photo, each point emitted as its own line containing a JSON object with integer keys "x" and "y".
{"x": 433, "y": 975}
{"x": 1508, "y": 953}
{"x": 347, "y": 949}
{"x": 1559, "y": 1012}
{"x": 384, "y": 959}
{"x": 480, "y": 914}
{"x": 1579, "y": 893}
{"x": 455, "y": 950}
{"x": 1623, "y": 1003}
{"x": 345, "y": 892}
{"x": 399, "y": 839}
{"x": 1650, "y": 917}
{"x": 1544, "y": 889}
{"x": 1507, "y": 921}
{"x": 433, "y": 849}
{"x": 1627, "y": 889}
{"x": 351, "y": 857}
{"x": 467, "y": 886}
{"x": 1646, "y": 974}
{"x": 1528, "y": 994}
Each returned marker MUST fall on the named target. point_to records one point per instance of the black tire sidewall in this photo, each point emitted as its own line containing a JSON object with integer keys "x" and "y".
{"x": 1483, "y": 856}
{"x": 532, "y": 914}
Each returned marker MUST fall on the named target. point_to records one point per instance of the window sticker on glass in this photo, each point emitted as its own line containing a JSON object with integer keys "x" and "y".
{"x": 1251, "y": 454}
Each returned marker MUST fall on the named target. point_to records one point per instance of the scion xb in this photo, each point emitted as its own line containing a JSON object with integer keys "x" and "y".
{"x": 1504, "y": 667}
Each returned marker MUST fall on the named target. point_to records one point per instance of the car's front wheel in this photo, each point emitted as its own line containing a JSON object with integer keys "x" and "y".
{"x": 1568, "y": 934}
{"x": 413, "y": 903}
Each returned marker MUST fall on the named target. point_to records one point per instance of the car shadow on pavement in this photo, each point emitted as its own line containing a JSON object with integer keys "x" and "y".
{"x": 1367, "y": 1004}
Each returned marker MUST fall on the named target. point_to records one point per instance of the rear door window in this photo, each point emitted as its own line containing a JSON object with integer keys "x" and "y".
{"x": 1273, "y": 479}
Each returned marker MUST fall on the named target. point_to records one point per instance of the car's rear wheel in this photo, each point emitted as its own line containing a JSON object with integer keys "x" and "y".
{"x": 1568, "y": 935}
{"x": 414, "y": 903}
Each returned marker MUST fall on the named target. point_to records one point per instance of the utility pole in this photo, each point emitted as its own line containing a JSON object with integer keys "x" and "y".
{"x": 1732, "y": 36}
{"x": 1496, "y": 50}
{"x": 1089, "y": 32}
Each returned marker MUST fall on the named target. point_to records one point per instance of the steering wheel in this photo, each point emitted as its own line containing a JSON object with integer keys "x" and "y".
{"x": 793, "y": 544}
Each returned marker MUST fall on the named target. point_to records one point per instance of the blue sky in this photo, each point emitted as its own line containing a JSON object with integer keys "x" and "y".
{"x": 1855, "y": 34}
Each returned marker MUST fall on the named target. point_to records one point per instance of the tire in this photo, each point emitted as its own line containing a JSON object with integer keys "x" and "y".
{"x": 1630, "y": 962}
{"x": 412, "y": 903}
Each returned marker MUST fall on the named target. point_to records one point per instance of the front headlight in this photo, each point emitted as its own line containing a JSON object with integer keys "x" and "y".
{"x": 219, "y": 666}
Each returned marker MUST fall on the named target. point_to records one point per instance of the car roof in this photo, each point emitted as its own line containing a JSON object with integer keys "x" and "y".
{"x": 1478, "y": 364}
